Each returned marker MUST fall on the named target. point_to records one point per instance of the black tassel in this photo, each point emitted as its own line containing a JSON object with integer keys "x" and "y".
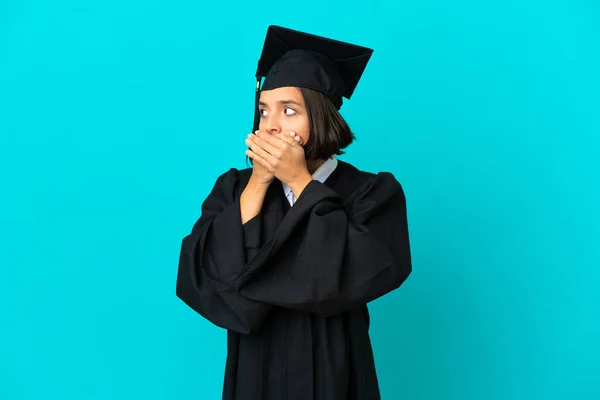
{"x": 256, "y": 100}
{"x": 256, "y": 113}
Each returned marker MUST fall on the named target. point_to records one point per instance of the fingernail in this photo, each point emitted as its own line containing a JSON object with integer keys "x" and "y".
{"x": 292, "y": 133}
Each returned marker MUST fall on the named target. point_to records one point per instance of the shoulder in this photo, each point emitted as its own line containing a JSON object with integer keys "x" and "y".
{"x": 347, "y": 178}
{"x": 362, "y": 178}
{"x": 365, "y": 184}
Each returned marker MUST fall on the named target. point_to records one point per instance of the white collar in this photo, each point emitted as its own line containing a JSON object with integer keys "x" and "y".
{"x": 321, "y": 174}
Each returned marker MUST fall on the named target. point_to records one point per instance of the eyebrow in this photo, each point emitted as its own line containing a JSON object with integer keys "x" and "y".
{"x": 284, "y": 102}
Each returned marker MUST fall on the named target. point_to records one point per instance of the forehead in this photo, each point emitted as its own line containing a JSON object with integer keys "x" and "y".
{"x": 282, "y": 94}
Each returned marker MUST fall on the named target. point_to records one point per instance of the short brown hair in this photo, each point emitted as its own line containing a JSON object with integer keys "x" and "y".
{"x": 329, "y": 132}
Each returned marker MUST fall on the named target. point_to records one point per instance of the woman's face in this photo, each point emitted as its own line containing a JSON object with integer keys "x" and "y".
{"x": 282, "y": 110}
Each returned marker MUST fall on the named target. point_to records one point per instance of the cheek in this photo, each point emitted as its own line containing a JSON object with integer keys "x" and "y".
{"x": 261, "y": 123}
{"x": 302, "y": 129}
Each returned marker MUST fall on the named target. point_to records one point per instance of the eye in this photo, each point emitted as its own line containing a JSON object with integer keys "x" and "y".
{"x": 262, "y": 112}
{"x": 289, "y": 111}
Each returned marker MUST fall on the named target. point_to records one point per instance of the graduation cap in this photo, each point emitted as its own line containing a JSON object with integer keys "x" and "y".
{"x": 294, "y": 58}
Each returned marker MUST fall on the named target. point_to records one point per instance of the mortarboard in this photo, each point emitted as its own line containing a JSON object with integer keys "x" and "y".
{"x": 294, "y": 58}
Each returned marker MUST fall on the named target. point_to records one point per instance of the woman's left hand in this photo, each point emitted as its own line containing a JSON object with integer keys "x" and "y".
{"x": 282, "y": 155}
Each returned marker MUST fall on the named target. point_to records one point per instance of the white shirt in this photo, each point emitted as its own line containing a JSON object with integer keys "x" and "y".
{"x": 321, "y": 174}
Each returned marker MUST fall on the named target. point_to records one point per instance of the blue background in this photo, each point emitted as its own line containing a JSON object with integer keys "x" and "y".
{"x": 117, "y": 117}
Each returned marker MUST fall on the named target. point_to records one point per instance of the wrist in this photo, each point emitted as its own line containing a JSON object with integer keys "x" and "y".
{"x": 256, "y": 185}
{"x": 299, "y": 184}
{"x": 252, "y": 199}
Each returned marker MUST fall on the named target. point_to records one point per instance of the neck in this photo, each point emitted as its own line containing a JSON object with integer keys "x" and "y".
{"x": 313, "y": 165}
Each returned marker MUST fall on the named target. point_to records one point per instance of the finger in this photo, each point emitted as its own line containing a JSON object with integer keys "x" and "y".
{"x": 259, "y": 159}
{"x": 291, "y": 140}
{"x": 297, "y": 138}
{"x": 264, "y": 143}
{"x": 279, "y": 141}
{"x": 257, "y": 149}
{"x": 271, "y": 139}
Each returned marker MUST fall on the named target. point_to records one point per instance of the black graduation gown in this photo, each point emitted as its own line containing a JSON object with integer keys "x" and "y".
{"x": 291, "y": 285}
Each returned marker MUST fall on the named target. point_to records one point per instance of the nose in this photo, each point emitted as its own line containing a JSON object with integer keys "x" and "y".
{"x": 272, "y": 124}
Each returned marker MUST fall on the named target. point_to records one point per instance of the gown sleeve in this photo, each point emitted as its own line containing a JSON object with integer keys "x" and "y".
{"x": 220, "y": 239}
{"x": 330, "y": 256}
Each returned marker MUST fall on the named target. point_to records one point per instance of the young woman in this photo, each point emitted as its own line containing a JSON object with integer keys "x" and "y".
{"x": 287, "y": 254}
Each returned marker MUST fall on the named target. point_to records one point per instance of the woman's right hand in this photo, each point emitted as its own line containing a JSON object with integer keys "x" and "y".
{"x": 260, "y": 174}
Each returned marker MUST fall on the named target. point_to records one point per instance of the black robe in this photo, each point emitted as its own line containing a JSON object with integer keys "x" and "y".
{"x": 291, "y": 285}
